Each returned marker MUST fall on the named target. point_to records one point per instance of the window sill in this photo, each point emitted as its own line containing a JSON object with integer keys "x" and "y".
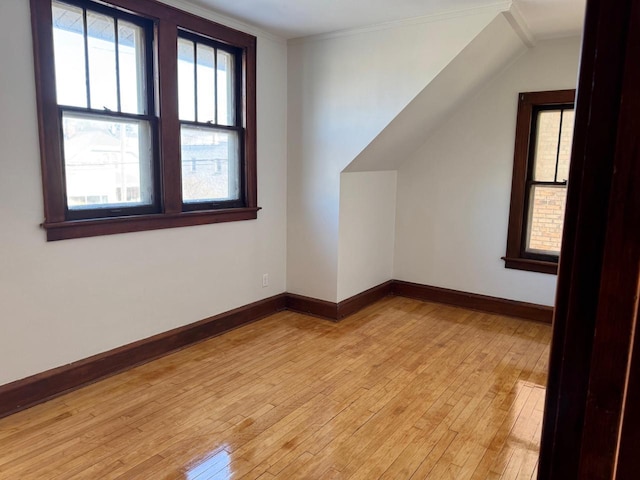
{"x": 139, "y": 223}
{"x": 530, "y": 265}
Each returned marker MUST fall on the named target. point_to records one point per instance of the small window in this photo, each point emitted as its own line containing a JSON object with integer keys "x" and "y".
{"x": 147, "y": 117}
{"x": 544, "y": 133}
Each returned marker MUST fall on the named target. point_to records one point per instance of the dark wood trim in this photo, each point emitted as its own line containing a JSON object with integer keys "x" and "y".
{"x": 617, "y": 314}
{"x": 629, "y": 445}
{"x": 531, "y": 265}
{"x": 140, "y": 223}
{"x": 312, "y": 306}
{"x": 337, "y": 311}
{"x": 549, "y": 97}
{"x": 474, "y": 301}
{"x": 167, "y": 211}
{"x": 353, "y": 304}
{"x": 48, "y": 120}
{"x": 44, "y": 386}
{"x": 581, "y": 387}
{"x": 515, "y": 257}
{"x": 169, "y": 125}
{"x": 156, "y": 10}
{"x": 251, "y": 123}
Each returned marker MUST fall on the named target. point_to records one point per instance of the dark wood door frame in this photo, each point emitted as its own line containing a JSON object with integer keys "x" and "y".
{"x": 590, "y": 428}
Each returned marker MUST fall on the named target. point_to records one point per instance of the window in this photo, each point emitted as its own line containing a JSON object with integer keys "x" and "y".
{"x": 101, "y": 78}
{"x": 147, "y": 117}
{"x": 210, "y": 130}
{"x": 544, "y": 132}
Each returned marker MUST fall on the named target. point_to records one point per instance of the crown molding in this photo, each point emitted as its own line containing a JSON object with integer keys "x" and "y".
{"x": 211, "y": 14}
{"x": 519, "y": 24}
{"x": 495, "y": 8}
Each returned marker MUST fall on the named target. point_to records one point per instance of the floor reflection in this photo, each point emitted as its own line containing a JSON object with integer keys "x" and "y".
{"x": 216, "y": 465}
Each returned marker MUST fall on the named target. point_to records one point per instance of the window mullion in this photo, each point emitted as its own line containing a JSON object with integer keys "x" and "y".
{"x": 170, "y": 165}
{"x": 117, "y": 41}
{"x": 195, "y": 81}
{"x": 215, "y": 84}
{"x": 545, "y": 184}
{"x": 240, "y": 115}
{"x": 211, "y": 125}
{"x": 106, "y": 113}
{"x": 555, "y": 175}
{"x": 86, "y": 56}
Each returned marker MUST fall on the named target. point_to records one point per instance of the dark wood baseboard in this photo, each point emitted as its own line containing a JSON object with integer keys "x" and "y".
{"x": 337, "y": 311}
{"x": 36, "y": 389}
{"x": 312, "y": 306}
{"x": 364, "y": 299}
{"x": 474, "y": 301}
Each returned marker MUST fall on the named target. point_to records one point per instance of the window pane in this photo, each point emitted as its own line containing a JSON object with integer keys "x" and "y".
{"x": 104, "y": 157}
{"x": 226, "y": 108}
{"x": 206, "y": 84}
{"x": 566, "y": 138}
{"x": 68, "y": 45}
{"x": 102, "y": 61}
{"x": 209, "y": 165}
{"x": 548, "y": 128}
{"x": 132, "y": 61}
{"x": 546, "y": 219}
{"x": 186, "y": 80}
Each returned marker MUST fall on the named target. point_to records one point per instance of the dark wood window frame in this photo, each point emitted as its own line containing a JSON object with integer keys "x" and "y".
{"x": 167, "y": 22}
{"x": 516, "y": 256}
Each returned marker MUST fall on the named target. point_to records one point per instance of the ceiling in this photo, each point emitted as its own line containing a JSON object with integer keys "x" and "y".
{"x": 301, "y": 18}
{"x": 553, "y": 18}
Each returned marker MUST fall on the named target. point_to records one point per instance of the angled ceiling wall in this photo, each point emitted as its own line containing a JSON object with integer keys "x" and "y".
{"x": 490, "y": 51}
{"x": 343, "y": 91}
{"x": 454, "y": 191}
{"x": 365, "y": 252}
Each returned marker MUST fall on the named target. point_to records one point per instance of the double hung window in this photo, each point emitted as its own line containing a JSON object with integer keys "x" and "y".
{"x": 544, "y": 133}
{"x": 210, "y": 135}
{"x": 147, "y": 117}
{"x": 105, "y": 102}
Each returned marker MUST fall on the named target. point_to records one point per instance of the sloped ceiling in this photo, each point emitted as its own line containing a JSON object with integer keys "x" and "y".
{"x": 488, "y": 53}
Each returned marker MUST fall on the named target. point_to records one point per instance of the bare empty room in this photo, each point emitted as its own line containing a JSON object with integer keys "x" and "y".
{"x": 319, "y": 240}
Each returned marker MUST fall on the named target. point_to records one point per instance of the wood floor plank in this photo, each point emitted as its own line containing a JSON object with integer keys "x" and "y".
{"x": 401, "y": 389}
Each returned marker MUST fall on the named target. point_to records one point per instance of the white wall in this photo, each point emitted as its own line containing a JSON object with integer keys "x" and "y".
{"x": 64, "y": 301}
{"x": 454, "y": 193}
{"x": 343, "y": 90}
{"x": 367, "y": 231}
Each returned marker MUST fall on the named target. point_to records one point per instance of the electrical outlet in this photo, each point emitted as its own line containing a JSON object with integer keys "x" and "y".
{"x": 265, "y": 280}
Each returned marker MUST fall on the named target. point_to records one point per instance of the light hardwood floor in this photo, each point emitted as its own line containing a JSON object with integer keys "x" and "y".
{"x": 403, "y": 389}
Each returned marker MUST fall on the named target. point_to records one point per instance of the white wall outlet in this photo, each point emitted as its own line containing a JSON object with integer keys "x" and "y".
{"x": 265, "y": 280}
